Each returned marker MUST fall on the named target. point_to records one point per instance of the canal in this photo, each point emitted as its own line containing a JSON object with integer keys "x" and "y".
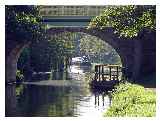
{"x": 67, "y": 94}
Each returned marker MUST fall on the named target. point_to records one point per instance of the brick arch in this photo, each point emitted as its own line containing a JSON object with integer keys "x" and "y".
{"x": 12, "y": 55}
{"x": 54, "y": 31}
{"x": 107, "y": 35}
{"x": 133, "y": 52}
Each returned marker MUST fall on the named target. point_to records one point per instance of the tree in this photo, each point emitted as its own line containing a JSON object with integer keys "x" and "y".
{"x": 23, "y": 23}
{"x": 23, "y": 26}
{"x": 64, "y": 47}
{"x": 91, "y": 45}
{"x": 98, "y": 50}
{"x": 127, "y": 21}
{"x": 47, "y": 55}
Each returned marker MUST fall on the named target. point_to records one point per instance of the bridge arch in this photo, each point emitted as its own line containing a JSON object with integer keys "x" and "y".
{"x": 107, "y": 35}
{"x": 129, "y": 50}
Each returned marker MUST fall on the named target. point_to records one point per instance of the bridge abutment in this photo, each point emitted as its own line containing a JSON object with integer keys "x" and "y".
{"x": 11, "y": 62}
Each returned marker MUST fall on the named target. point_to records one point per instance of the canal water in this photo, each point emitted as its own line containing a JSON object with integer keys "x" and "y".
{"x": 65, "y": 95}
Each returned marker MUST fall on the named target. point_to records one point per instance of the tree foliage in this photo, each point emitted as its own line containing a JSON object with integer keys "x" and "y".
{"x": 23, "y": 23}
{"x": 98, "y": 50}
{"x": 127, "y": 21}
{"x": 65, "y": 43}
{"x": 92, "y": 45}
{"x": 47, "y": 55}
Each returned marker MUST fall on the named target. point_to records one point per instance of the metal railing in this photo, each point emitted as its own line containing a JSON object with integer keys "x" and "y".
{"x": 108, "y": 72}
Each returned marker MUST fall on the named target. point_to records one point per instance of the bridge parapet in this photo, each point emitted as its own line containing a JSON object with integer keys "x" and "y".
{"x": 61, "y": 10}
{"x": 69, "y": 15}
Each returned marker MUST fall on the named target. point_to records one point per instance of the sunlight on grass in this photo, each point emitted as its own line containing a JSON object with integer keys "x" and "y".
{"x": 132, "y": 100}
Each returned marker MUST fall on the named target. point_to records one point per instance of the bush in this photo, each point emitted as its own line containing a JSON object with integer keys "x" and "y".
{"x": 19, "y": 76}
{"x": 132, "y": 100}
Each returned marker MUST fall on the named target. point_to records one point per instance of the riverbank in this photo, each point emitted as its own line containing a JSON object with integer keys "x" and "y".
{"x": 132, "y": 100}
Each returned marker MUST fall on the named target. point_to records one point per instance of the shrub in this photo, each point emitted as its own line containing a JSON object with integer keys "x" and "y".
{"x": 132, "y": 100}
{"x": 19, "y": 76}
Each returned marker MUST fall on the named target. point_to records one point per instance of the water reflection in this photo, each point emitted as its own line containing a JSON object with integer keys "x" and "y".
{"x": 11, "y": 102}
{"x": 71, "y": 99}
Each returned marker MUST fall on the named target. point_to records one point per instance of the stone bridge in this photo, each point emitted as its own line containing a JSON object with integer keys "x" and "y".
{"x": 137, "y": 54}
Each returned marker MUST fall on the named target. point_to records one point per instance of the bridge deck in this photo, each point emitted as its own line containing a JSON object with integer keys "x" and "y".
{"x": 69, "y": 21}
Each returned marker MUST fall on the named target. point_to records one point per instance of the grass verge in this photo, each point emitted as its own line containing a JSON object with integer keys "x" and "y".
{"x": 132, "y": 100}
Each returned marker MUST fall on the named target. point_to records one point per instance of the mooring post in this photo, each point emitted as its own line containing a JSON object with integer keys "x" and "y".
{"x": 102, "y": 72}
{"x": 96, "y": 73}
{"x": 117, "y": 73}
{"x": 110, "y": 76}
{"x": 99, "y": 73}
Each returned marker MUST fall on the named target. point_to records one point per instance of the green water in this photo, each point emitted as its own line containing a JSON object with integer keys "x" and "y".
{"x": 68, "y": 95}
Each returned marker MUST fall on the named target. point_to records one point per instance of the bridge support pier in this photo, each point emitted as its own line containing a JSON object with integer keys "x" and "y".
{"x": 11, "y": 63}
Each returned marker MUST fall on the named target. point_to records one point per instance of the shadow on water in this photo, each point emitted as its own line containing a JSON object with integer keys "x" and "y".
{"x": 55, "y": 75}
{"x": 63, "y": 100}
